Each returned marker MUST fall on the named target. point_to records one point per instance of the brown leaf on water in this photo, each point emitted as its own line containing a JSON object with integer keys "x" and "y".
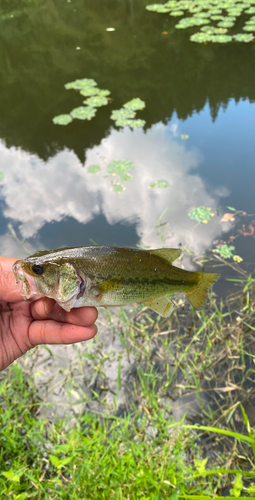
{"x": 247, "y": 232}
{"x": 164, "y": 32}
{"x": 227, "y": 217}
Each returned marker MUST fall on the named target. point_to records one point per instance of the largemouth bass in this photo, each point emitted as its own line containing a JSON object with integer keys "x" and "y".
{"x": 110, "y": 276}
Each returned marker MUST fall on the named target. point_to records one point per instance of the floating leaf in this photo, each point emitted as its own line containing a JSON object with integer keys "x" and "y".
{"x": 237, "y": 258}
{"x": 104, "y": 92}
{"x": 176, "y": 13}
{"x": 80, "y": 84}
{"x": 126, "y": 177}
{"x": 225, "y": 251}
{"x": 123, "y": 122}
{"x": 219, "y": 31}
{"x": 83, "y": 113}
{"x": 158, "y": 7}
{"x": 87, "y": 91}
{"x": 96, "y": 101}
{"x": 160, "y": 184}
{"x": 249, "y": 27}
{"x": 118, "y": 188}
{"x": 1, "y": 176}
{"x": 137, "y": 123}
{"x": 251, "y": 10}
{"x": 217, "y": 18}
{"x": 62, "y": 119}
{"x": 200, "y": 37}
{"x": 94, "y": 169}
{"x": 221, "y": 38}
{"x": 243, "y": 37}
{"x": 202, "y": 14}
{"x": 225, "y": 24}
{"x": 201, "y": 214}
{"x": 184, "y": 136}
{"x": 207, "y": 29}
{"x": 119, "y": 167}
{"x": 118, "y": 114}
{"x": 228, "y": 217}
{"x": 135, "y": 104}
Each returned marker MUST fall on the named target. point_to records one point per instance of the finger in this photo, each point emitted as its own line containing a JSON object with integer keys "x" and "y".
{"x": 51, "y": 332}
{"x": 8, "y": 288}
{"x": 83, "y": 316}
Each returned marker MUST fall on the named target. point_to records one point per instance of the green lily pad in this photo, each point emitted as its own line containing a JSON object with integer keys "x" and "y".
{"x": 104, "y": 92}
{"x": 249, "y": 27}
{"x": 94, "y": 169}
{"x": 119, "y": 167}
{"x": 96, "y": 101}
{"x": 126, "y": 177}
{"x": 201, "y": 214}
{"x": 118, "y": 188}
{"x": 225, "y": 251}
{"x": 202, "y": 14}
{"x": 83, "y": 113}
{"x": 186, "y": 23}
{"x": 220, "y": 31}
{"x": 207, "y": 29}
{"x": 172, "y": 4}
{"x": 193, "y": 10}
{"x": 221, "y": 38}
{"x": 80, "y": 84}
{"x": 119, "y": 114}
{"x": 123, "y": 122}
{"x": 201, "y": 20}
{"x": 214, "y": 12}
{"x": 225, "y": 24}
{"x": 176, "y": 13}
{"x": 136, "y": 123}
{"x": 159, "y": 184}
{"x": 243, "y": 37}
{"x": 200, "y": 37}
{"x": 62, "y": 119}
{"x": 135, "y": 104}
{"x": 217, "y": 18}
{"x": 234, "y": 12}
{"x": 184, "y": 136}
{"x": 1, "y": 176}
{"x": 157, "y": 7}
{"x": 88, "y": 91}
{"x": 251, "y": 10}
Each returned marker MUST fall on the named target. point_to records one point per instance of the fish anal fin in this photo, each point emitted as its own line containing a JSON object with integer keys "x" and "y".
{"x": 197, "y": 296}
{"x": 161, "y": 305}
{"x": 169, "y": 254}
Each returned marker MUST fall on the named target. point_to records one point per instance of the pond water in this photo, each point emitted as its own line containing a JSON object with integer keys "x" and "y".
{"x": 198, "y": 136}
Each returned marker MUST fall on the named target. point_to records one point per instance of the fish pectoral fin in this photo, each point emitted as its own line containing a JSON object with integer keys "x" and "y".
{"x": 160, "y": 305}
{"x": 169, "y": 254}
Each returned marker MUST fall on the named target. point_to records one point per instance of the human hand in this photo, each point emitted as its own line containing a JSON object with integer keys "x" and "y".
{"x": 23, "y": 325}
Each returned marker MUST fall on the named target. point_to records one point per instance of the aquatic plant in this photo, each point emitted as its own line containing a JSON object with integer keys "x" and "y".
{"x": 119, "y": 167}
{"x": 125, "y": 116}
{"x": 225, "y": 251}
{"x": 159, "y": 184}
{"x": 200, "y": 37}
{"x": 243, "y": 37}
{"x": 94, "y": 169}
{"x": 201, "y": 214}
{"x": 83, "y": 113}
{"x": 62, "y": 119}
{"x": 122, "y": 113}
{"x": 96, "y": 98}
{"x": 226, "y": 12}
{"x": 135, "y": 104}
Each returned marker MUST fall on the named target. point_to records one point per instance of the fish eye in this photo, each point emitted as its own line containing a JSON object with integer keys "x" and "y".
{"x": 37, "y": 269}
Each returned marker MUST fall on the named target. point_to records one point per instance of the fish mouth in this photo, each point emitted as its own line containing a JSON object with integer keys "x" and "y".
{"x": 25, "y": 282}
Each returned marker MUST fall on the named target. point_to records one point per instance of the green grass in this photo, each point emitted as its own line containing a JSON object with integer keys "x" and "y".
{"x": 175, "y": 425}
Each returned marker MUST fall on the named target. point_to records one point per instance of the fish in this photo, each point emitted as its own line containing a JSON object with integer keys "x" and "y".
{"x": 110, "y": 276}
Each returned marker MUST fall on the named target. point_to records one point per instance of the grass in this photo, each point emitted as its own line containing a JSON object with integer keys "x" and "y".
{"x": 167, "y": 414}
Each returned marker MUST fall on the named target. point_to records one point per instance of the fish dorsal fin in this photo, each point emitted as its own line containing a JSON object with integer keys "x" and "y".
{"x": 161, "y": 305}
{"x": 169, "y": 254}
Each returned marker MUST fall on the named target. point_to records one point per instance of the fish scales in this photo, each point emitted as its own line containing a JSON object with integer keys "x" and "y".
{"x": 108, "y": 276}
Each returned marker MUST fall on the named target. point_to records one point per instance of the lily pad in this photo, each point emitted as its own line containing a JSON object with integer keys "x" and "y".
{"x": 225, "y": 251}
{"x": 200, "y": 37}
{"x": 94, "y": 169}
{"x": 159, "y": 184}
{"x": 121, "y": 113}
{"x": 103, "y": 92}
{"x": 96, "y": 101}
{"x": 172, "y": 4}
{"x": 119, "y": 167}
{"x": 135, "y": 104}
{"x": 158, "y": 7}
{"x": 220, "y": 31}
{"x": 202, "y": 14}
{"x": 1, "y": 176}
{"x": 126, "y": 177}
{"x": 184, "y": 136}
{"x": 83, "y": 113}
{"x": 249, "y": 27}
{"x": 201, "y": 214}
{"x": 118, "y": 188}
{"x": 80, "y": 84}
{"x": 123, "y": 122}
{"x": 88, "y": 91}
{"x": 137, "y": 123}
{"x": 243, "y": 37}
{"x": 217, "y": 18}
{"x": 62, "y": 119}
{"x": 251, "y": 10}
{"x": 176, "y": 13}
{"x": 208, "y": 29}
{"x": 221, "y": 38}
{"x": 225, "y": 24}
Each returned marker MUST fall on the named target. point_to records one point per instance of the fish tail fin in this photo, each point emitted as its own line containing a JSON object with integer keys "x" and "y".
{"x": 197, "y": 296}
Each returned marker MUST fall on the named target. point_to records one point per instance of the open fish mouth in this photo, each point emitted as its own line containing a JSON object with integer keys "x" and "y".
{"x": 25, "y": 282}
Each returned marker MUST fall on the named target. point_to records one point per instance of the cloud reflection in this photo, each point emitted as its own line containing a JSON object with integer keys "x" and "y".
{"x": 37, "y": 192}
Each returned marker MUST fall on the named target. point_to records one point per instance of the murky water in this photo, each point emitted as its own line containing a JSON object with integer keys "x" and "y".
{"x": 199, "y": 133}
